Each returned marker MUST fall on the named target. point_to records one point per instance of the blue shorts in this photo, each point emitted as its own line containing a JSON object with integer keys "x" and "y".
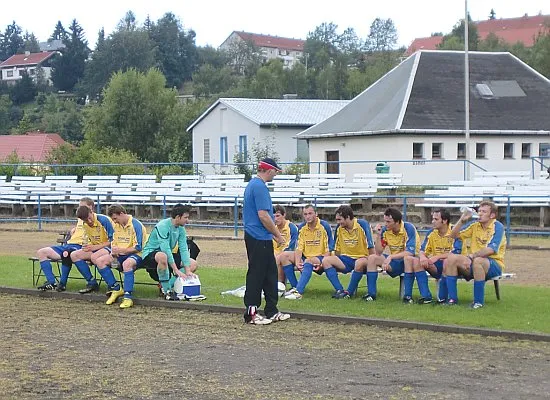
{"x": 348, "y": 262}
{"x": 67, "y": 247}
{"x": 493, "y": 271}
{"x": 318, "y": 271}
{"x": 397, "y": 267}
{"x": 135, "y": 257}
{"x": 439, "y": 265}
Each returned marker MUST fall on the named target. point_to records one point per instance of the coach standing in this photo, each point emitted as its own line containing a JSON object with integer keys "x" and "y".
{"x": 259, "y": 232}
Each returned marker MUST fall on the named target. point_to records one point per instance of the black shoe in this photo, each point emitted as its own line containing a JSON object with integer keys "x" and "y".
{"x": 172, "y": 296}
{"x": 47, "y": 286}
{"x": 368, "y": 297}
{"x": 61, "y": 288}
{"x": 424, "y": 300}
{"x": 94, "y": 287}
{"x": 408, "y": 300}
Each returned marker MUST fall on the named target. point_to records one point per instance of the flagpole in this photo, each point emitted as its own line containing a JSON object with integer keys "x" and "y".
{"x": 466, "y": 92}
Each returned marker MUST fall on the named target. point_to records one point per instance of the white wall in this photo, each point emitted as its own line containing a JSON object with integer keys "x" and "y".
{"x": 16, "y": 73}
{"x": 423, "y": 171}
{"x": 285, "y": 144}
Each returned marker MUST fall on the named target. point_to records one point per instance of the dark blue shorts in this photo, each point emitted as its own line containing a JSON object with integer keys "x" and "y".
{"x": 67, "y": 247}
{"x": 348, "y": 262}
{"x": 397, "y": 267}
{"x": 439, "y": 265}
{"x": 135, "y": 257}
{"x": 493, "y": 271}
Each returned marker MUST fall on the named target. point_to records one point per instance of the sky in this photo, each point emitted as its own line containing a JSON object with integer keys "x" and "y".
{"x": 214, "y": 20}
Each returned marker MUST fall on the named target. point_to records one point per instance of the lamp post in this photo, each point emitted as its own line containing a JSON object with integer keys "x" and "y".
{"x": 466, "y": 92}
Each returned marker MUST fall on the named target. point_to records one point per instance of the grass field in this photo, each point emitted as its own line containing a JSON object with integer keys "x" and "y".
{"x": 522, "y": 308}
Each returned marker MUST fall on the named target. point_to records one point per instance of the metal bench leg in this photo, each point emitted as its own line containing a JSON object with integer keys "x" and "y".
{"x": 401, "y": 286}
{"x": 497, "y": 289}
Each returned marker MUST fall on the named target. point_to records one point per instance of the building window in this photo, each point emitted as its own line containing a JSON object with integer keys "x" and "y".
{"x": 508, "y": 150}
{"x": 21, "y": 72}
{"x": 544, "y": 149}
{"x": 437, "y": 150}
{"x": 223, "y": 150}
{"x": 206, "y": 150}
{"x": 31, "y": 71}
{"x": 243, "y": 147}
{"x": 418, "y": 150}
{"x": 526, "y": 150}
{"x": 9, "y": 74}
{"x": 480, "y": 150}
{"x": 461, "y": 151}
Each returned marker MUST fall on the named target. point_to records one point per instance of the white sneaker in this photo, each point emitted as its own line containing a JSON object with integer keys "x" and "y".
{"x": 280, "y": 317}
{"x": 293, "y": 294}
{"x": 257, "y": 319}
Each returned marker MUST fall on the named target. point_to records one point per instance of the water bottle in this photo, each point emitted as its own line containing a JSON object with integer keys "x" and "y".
{"x": 471, "y": 211}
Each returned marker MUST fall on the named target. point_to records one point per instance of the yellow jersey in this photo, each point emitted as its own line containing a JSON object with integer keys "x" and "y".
{"x": 289, "y": 232}
{"x": 78, "y": 236}
{"x": 101, "y": 231}
{"x": 434, "y": 244}
{"x": 317, "y": 241}
{"x": 133, "y": 234}
{"x": 492, "y": 237}
{"x": 407, "y": 239}
{"x": 356, "y": 242}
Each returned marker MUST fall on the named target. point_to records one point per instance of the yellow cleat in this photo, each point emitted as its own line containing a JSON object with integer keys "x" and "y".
{"x": 126, "y": 303}
{"x": 115, "y": 294}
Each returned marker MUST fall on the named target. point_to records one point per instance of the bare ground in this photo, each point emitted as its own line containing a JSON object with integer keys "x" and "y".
{"x": 56, "y": 348}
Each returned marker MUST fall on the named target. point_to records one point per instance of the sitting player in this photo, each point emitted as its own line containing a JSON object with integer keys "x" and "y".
{"x": 284, "y": 253}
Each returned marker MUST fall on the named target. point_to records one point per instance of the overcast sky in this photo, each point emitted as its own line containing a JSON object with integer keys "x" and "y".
{"x": 214, "y": 20}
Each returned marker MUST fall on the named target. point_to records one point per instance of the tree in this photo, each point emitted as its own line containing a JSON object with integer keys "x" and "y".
{"x": 69, "y": 67}
{"x": 24, "y": 90}
{"x": 59, "y": 32}
{"x": 268, "y": 82}
{"x": 5, "y": 107}
{"x": 208, "y": 80}
{"x": 137, "y": 114}
{"x": 321, "y": 46}
{"x": 382, "y": 36}
{"x": 540, "y": 55}
{"x": 121, "y": 51}
{"x": 210, "y": 55}
{"x": 176, "y": 50}
{"x": 457, "y": 36}
{"x": 245, "y": 57}
{"x": 30, "y": 43}
{"x": 12, "y": 41}
{"x": 492, "y": 14}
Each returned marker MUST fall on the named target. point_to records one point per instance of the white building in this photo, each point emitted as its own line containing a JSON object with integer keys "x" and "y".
{"x": 232, "y": 126}
{"x": 414, "y": 116}
{"x": 13, "y": 69}
{"x": 289, "y": 50}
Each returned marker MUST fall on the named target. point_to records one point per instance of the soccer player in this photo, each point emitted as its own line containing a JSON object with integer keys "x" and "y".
{"x": 402, "y": 240}
{"x": 157, "y": 252}
{"x": 353, "y": 244}
{"x": 99, "y": 231}
{"x": 284, "y": 253}
{"x": 315, "y": 241}
{"x": 63, "y": 253}
{"x": 487, "y": 247}
{"x": 128, "y": 240}
{"x": 260, "y": 230}
{"x": 433, "y": 252}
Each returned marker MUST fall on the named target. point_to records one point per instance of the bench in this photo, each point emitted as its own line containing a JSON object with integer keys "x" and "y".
{"x": 502, "y": 174}
{"x": 383, "y": 180}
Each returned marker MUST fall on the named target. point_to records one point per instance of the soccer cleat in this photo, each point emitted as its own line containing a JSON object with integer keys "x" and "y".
{"x": 257, "y": 319}
{"x": 279, "y": 317}
{"x": 61, "y": 288}
{"x": 126, "y": 303}
{"x": 450, "y": 302}
{"x": 368, "y": 297}
{"x": 475, "y": 306}
{"x": 440, "y": 301}
{"x": 341, "y": 294}
{"x": 172, "y": 296}
{"x": 293, "y": 295}
{"x": 408, "y": 300}
{"x": 94, "y": 287}
{"x": 424, "y": 300}
{"x": 115, "y": 294}
{"x": 47, "y": 286}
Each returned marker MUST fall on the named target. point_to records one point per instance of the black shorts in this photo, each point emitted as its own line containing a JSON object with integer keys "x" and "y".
{"x": 150, "y": 264}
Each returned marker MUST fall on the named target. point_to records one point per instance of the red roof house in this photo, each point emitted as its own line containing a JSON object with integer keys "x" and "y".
{"x": 512, "y": 30}
{"x": 17, "y": 65}
{"x": 32, "y": 146}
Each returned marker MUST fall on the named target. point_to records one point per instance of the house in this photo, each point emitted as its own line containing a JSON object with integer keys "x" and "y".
{"x": 512, "y": 30}
{"x": 52, "y": 45}
{"x": 288, "y": 50}
{"x": 234, "y": 126}
{"x": 414, "y": 118}
{"x": 30, "y": 147}
{"x": 13, "y": 69}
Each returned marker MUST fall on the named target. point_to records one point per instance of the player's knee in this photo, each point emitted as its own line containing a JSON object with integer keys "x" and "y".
{"x": 194, "y": 265}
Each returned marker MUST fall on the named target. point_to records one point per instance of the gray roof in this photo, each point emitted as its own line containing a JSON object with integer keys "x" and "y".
{"x": 288, "y": 112}
{"x": 425, "y": 94}
{"x": 52, "y": 45}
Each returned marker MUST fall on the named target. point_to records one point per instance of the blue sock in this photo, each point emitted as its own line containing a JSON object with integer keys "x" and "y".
{"x": 332, "y": 276}
{"x": 354, "y": 282}
{"x": 408, "y": 282}
{"x": 422, "y": 282}
{"x": 372, "y": 277}
{"x": 289, "y": 274}
{"x": 451, "y": 287}
{"x": 443, "y": 293}
{"x": 109, "y": 278}
{"x": 479, "y": 292}
{"x": 65, "y": 271}
{"x": 164, "y": 277}
{"x": 128, "y": 284}
{"x": 46, "y": 267}
{"x": 304, "y": 278}
{"x": 84, "y": 270}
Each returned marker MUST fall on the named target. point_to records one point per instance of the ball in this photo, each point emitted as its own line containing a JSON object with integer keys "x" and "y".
{"x": 281, "y": 289}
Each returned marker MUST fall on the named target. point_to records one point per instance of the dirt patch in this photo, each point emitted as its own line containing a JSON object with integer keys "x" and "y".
{"x": 530, "y": 266}
{"x": 56, "y": 348}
